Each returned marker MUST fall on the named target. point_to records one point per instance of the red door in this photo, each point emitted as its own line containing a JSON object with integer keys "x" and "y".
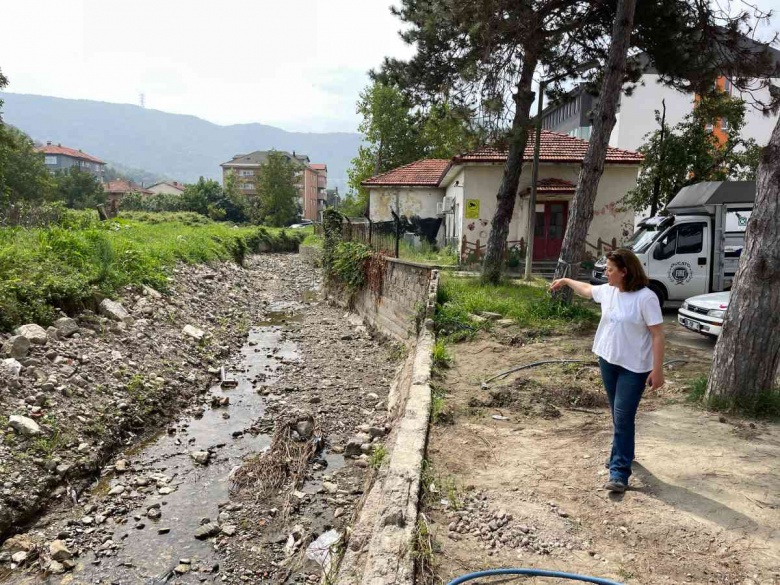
{"x": 551, "y": 217}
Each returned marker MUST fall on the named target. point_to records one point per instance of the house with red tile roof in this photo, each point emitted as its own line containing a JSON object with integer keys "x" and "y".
{"x": 462, "y": 192}
{"x": 167, "y": 188}
{"x": 119, "y": 189}
{"x": 60, "y": 158}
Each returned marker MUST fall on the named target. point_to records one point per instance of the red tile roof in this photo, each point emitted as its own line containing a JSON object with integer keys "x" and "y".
{"x": 559, "y": 186}
{"x": 422, "y": 173}
{"x": 58, "y": 149}
{"x": 554, "y": 147}
{"x": 119, "y": 186}
{"x": 319, "y": 166}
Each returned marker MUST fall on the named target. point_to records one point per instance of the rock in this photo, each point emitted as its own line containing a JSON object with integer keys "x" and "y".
{"x": 491, "y": 316}
{"x": 66, "y": 327}
{"x": 87, "y": 520}
{"x": 164, "y": 491}
{"x": 354, "y": 445}
{"x": 207, "y": 531}
{"x": 19, "y": 557}
{"x": 150, "y": 292}
{"x": 374, "y": 432}
{"x": 52, "y": 334}
{"x": 201, "y": 457}
{"x": 56, "y": 568}
{"x": 338, "y": 513}
{"x": 18, "y": 543}
{"x": 477, "y": 318}
{"x": 305, "y": 428}
{"x": 181, "y": 569}
{"x": 194, "y": 332}
{"x": 116, "y": 490}
{"x": 59, "y": 551}
{"x": 34, "y": 333}
{"x": 163, "y": 530}
{"x": 229, "y": 529}
{"x": 11, "y": 368}
{"x": 505, "y": 322}
{"x": 24, "y": 426}
{"x": 115, "y": 311}
{"x": 330, "y": 487}
{"x": 153, "y": 513}
{"x": 17, "y": 346}
{"x": 121, "y": 465}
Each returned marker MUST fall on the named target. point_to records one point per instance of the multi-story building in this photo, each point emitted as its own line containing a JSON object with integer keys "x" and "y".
{"x": 636, "y": 112}
{"x": 246, "y": 166}
{"x": 311, "y": 184}
{"x": 60, "y": 158}
{"x": 317, "y": 205}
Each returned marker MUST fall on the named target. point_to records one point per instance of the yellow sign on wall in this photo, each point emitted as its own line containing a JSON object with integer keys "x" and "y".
{"x": 472, "y": 208}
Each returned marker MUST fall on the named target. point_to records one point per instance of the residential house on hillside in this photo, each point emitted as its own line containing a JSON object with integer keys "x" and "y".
{"x": 246, "y": 167}
{"x": 119, "y": 189}
{"x": 167, "y": 188}
{"x": 462, "y": 191}
{"x": 60, "y": 158}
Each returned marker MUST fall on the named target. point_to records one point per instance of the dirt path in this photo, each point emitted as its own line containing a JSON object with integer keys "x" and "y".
{"x": 518, "y": 475}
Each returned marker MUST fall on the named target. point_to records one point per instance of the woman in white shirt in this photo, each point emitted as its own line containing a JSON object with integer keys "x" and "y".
{"x": 630, "y": 345}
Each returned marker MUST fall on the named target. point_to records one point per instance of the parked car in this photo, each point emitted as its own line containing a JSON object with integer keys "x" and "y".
{"x": 302, "y": 224}
{"x": 704, "y": 313}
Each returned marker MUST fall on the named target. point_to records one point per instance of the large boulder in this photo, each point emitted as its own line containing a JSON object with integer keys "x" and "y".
{"x": 59, "y": 551}
{"x": 17, "y": 346}
{"x": 23, "y": 425}
{"x": 66, "y": 327}
{"x": 115, "y": 311}
{"x": 34, "y": 333}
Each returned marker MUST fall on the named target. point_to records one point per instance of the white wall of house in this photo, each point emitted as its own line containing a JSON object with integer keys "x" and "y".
{"x": 636, "y": 117}
{"x": 411, "y": 201}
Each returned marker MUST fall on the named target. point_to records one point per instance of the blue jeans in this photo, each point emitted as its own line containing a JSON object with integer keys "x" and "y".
{"x": 624, "y": 390}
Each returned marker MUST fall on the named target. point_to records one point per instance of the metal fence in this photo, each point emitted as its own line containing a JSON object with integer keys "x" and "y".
{"x": 381, "y": 236}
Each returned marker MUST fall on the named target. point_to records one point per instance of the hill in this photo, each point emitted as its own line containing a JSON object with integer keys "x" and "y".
{"x": 173, "y": 145}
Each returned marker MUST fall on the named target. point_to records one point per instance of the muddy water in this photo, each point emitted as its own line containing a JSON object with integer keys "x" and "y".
{"x": 144, "y": 554}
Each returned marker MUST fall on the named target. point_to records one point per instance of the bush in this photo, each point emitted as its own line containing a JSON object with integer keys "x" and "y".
{"x": 72, "y": 264}
{"x": 349, "y": 264}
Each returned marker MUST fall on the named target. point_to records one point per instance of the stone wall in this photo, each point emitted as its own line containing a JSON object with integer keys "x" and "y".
{"x": 401, "y": 301}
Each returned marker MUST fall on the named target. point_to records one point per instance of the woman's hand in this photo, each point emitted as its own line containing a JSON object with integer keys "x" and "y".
{"x": 656, "y": 379}
{"x": 558, "y": 284}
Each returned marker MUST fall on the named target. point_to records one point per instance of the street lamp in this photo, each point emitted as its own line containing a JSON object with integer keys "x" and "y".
{"x": 529, "y": 248}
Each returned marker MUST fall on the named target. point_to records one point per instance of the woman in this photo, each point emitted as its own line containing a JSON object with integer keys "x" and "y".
{"x": 630, "y": 345}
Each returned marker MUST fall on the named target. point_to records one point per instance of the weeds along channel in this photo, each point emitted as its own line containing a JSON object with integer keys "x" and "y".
{"x": 74, "y": 263}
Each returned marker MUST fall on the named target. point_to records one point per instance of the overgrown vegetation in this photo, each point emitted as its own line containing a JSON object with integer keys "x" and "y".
{"x": 765, "y": 405}
{"x": 528, "y": 305}
{"x": 427, "y": 253}
{"x": 349, "y": 264}
{"x": 78, "y": 260}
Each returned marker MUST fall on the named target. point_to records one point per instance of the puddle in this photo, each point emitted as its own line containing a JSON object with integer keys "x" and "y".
{"x": 199, "y": 489}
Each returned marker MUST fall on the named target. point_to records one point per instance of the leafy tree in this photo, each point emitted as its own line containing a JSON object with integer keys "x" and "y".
{"x": 277, "y": 194}
{"x": 398, "y": 132}
{"x": 481, "y": 57}
{"x": 198, "y": 196}
{"x": 23, "y": 176}
{"x": 234, "y": 203}
{"x": 690, "y": 152}
{"x": 78, "y": 189}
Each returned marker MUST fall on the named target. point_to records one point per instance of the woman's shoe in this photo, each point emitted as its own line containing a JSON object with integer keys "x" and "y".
{"x": 616, "y": 486}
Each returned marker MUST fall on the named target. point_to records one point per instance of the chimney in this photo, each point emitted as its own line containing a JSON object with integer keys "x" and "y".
{"x": 48, "y": 143}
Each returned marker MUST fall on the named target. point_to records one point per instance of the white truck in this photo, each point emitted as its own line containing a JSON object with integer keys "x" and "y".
{"x": 696, "y": 248}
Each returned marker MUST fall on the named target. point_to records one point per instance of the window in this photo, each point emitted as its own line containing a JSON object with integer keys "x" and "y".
{"x": 708, "y": 127}
{"x": 246, "y": 186}
{"x": 728, "y": 87}
{"x": 690, "y": 238}
{"x": 246, "y": 173}
{"x": 666, "y": 246}
{"x": 50, "y": 160}
{"x": 724, "y": 125}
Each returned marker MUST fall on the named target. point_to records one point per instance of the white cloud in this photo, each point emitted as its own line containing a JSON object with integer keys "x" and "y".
{"x": 298, "y": 64}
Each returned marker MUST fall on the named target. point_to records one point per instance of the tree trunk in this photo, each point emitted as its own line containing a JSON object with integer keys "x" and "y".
{"x": 659, "y": 171}
{"x": 581, "y": 213}
{"x": 747, "y": 354}
{"x": 507, "y": 193}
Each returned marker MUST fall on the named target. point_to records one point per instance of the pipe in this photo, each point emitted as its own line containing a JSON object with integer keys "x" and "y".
{"x": 533, "y": 573}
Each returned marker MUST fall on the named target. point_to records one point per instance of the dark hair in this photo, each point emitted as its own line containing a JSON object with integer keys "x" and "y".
{"x": 635, "y": 278}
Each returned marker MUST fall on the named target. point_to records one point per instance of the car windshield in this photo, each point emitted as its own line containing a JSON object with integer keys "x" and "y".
{"x": 642, "y": 239}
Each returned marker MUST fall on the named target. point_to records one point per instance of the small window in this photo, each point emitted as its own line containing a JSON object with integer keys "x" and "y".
{"x": 708, "y": 127}
{"x": 50, "y": 160}
{"x": 728, "y": 87}
{"x": 724, "y": 125}
{"x": 690, "y": 238}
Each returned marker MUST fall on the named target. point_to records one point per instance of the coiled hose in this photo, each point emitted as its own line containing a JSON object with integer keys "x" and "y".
{"x": 533, "y": 573}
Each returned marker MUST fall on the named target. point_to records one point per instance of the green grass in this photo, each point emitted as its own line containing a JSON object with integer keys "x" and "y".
{"x": 441, "y": 356}
{"x": 312, "y": 240}
{"x": 528, "y": 305}
{"x": 73, "y": 264}
{"x": 764, "y": 405}
{"x": 426, "y": 253}
{"x": 697, "y": 389}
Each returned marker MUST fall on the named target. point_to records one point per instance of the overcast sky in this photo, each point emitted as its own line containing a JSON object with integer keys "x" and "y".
{"x": 296, "y": 64}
